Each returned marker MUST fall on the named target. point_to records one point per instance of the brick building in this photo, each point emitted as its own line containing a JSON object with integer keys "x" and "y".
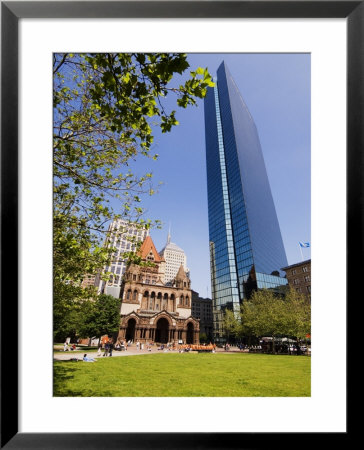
{"x": 202, "y": 310}
{"x": 299, "y": 276}
{"x": 89, "y": 280}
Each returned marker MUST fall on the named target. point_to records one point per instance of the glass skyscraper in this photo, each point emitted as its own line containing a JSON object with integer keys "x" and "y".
{"x": 246, "y": 247}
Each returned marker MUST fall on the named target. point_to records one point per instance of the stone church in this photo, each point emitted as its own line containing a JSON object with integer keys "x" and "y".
{"x": 152, "y": 311}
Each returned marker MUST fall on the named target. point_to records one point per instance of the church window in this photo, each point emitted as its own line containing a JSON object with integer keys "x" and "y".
{"x": 128, "y": 294}
{"x": 135, "y": 293}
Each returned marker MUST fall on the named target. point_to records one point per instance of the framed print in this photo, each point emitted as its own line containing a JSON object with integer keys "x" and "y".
{"x": 31, "y": 33}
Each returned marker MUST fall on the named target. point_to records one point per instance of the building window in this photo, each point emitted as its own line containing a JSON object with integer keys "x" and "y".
{"x": 296, "y": 281}
{"x": 308, "y": 288}
{"x": 293, "y": 271}
{"x": 305, "y": 269}
{"x": 307, "y": 278}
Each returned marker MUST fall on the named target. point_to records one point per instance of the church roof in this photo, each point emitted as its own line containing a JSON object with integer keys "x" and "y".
{"x": 181, "y": 274}
{"x": 147, "y": 247}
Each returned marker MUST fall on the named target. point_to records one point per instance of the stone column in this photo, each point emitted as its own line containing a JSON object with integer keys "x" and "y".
{"x": 121, "y": 334}
{"x": 196, "y": 337}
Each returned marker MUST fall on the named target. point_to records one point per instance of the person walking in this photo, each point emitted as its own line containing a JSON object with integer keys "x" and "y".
{"x": 99, "y": 351}
{"x": 111, "y": 346}
{"x": 106, "y": 349}
{"x": 65, "y": 346}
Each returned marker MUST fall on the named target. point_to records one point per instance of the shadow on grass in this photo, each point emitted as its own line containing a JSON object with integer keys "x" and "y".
{"x": 62, "y": 374}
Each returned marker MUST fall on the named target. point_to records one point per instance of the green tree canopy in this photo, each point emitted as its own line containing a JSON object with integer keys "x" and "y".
{"x": 68, "y": 302}
{"x": 106, "y": 107}
{"x": 267, "y": 314}
{"x": 230, "y": 323}
{"x": 100, "y": 317}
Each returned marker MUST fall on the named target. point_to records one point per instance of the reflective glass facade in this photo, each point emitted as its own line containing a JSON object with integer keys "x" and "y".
{"x": 246, "y": 247}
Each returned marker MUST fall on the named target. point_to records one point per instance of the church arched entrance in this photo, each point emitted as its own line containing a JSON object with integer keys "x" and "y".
{"x": 130, "y": 330}
{"x": 190, "y": 330}
{"x": 162, "y": 330}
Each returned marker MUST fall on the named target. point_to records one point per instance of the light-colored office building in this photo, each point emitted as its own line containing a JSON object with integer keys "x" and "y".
{"x": 124, "y": 236}
{"x": 174, "y": 257}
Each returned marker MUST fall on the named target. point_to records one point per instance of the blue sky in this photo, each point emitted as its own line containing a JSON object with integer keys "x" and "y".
{"x": 276, "y": 89}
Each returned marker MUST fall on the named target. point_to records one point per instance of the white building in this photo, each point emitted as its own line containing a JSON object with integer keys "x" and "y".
{"x": 174, "y": 257}
{"x": 122, "y": 235}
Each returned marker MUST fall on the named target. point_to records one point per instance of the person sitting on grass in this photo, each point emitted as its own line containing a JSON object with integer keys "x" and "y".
{"x": 87, "y": 359}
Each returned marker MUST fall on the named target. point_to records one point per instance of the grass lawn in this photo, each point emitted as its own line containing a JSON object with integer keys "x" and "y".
{"x": 186, "y": 375}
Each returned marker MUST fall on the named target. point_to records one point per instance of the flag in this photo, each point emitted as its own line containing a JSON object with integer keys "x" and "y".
{"x": 304, "y": 244}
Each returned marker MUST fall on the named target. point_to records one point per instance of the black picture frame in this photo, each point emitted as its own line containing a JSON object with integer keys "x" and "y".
{"x": 11, "y": 12}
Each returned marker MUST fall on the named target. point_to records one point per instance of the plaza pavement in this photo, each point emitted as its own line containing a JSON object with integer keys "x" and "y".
{"x": 132, "y": 351}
